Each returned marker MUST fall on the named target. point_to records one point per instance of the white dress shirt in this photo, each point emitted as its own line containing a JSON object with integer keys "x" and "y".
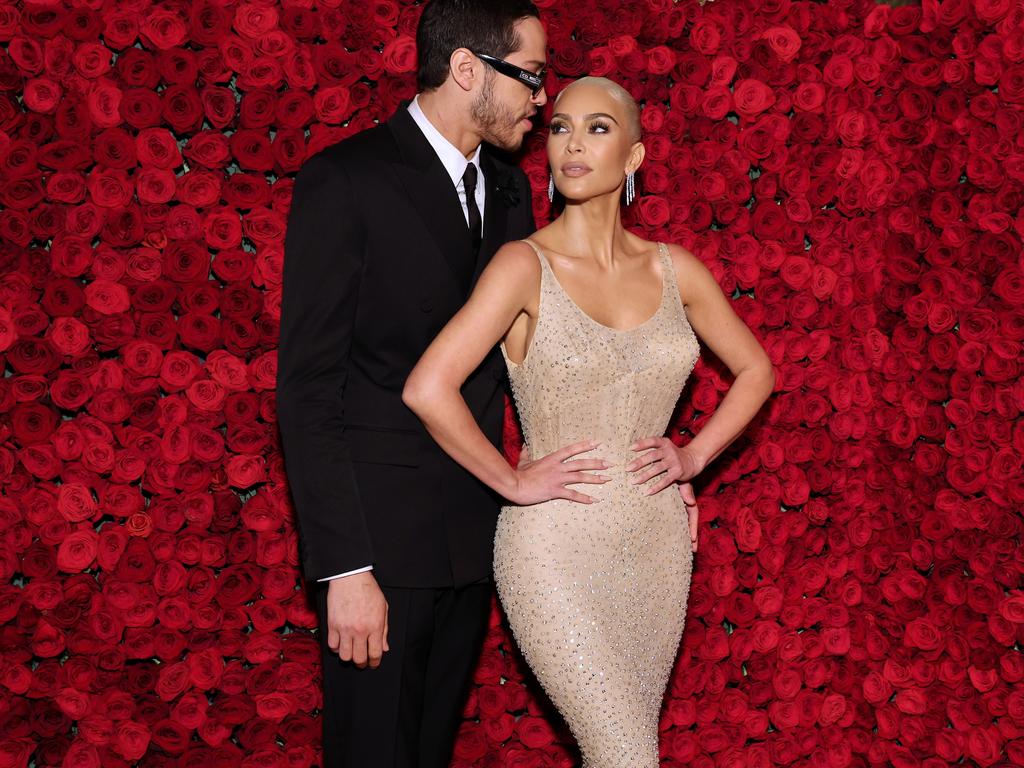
{"x": 454, "y": 163}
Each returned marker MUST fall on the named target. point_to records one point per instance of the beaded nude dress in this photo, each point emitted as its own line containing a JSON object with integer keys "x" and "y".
{"x": 596, "y": 593}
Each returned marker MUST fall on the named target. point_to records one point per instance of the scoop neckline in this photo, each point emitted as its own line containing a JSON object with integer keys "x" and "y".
{"x": 572, "y": 301}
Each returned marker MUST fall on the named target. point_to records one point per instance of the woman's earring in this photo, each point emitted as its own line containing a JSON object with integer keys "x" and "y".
{"x": 630, "y": 187}
{"x": 551, "y": 188}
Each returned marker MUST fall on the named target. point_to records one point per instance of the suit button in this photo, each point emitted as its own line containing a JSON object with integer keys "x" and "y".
{"x": 426, "y": 305}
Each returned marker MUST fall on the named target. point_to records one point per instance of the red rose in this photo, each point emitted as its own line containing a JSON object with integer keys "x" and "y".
{"x": 765, "y": 635}
{"x": 42, "y": 95}
{"x": 178, "y": 370}
{"x": 104, "y": 100}
{"x": 838, "y": 72}
{"x": 169, "y": 736}
{"x": 294, "y": 109}
{"x": 706, "y": 36}
{"x": 181, "y": 108}
{"x": 208, "y": 149}
{"x": 219, "y": 106}
{"x": 130, "y": 740}
{"x": 252, "y": 150}
{"x": 1011, "y": 608}
{"x": 163, "y": 29}
{"x": 332, "y": 104}
{"x": 923, "y": 634}
{"x": 653, "y": 210}
{"x": 263, "y": 372}
{"x": 32, "y": 423}
{"x": 264, "y": 226}
{"x": 82, "y": 755}
{"x": 77, "y": 551}
{"x": 534, "y": 732}
{"x": 245, "y": 471}
{"x": 200, "y": 189}
{"x": 400, "y": 55}
{"x": 154, "y": 185}
{"x": 784, "y": 42}
{"x": 660, "y": 60}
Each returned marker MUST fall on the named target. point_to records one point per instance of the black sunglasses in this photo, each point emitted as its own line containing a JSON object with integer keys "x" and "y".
{"x": 533, "y": 81}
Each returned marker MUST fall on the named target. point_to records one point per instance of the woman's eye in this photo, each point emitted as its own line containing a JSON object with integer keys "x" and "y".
{"x": 557, "y": 127}
{"x": 599, "y": 127}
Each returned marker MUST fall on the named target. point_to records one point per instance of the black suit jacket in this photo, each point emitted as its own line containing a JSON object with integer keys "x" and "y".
{"x": 378, "y": 258}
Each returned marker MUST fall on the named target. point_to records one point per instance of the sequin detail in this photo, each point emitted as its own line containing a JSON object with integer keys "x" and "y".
{"x": 596, "y": 594}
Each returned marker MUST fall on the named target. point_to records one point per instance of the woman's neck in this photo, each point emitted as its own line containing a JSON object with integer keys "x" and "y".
{"x": 592, "y": 229}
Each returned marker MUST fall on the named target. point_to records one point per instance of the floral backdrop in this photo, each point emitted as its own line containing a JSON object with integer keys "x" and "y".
{"x": 852, "y": 173}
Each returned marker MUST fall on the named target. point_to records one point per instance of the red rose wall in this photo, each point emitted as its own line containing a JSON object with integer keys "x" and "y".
{"x": 853, "y": 174}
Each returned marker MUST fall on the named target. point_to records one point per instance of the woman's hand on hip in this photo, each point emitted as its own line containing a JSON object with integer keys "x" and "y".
{"x": 661, "y": 457}
{"x": 692, "y": 512}
{"x": 548, "y": 477}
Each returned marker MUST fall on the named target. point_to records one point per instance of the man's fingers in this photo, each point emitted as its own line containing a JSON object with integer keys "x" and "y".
{"x": 359, "y": 651}
{"x": 384, "y": 635}
{"x": 374, "y": 649}
{"x": 345, "y": 647}
{"x": 333, "y": 638}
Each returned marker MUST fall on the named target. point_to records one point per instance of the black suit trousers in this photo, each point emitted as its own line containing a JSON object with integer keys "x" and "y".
{"x": 405, "y": 713}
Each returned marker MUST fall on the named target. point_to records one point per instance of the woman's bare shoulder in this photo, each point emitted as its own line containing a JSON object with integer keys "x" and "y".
{"x": 514, "y": 272}
{"x": 516, "y": 258}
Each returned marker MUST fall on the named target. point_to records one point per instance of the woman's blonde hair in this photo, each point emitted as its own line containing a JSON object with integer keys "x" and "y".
{"x": 618, "y": 93}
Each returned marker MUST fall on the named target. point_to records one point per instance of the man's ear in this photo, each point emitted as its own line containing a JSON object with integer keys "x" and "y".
{"x": 464, "y": 68}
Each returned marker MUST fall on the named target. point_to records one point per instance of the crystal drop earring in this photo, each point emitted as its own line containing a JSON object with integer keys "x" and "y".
{"x": 551, "y": 188}
{"x": 630, "y": 187}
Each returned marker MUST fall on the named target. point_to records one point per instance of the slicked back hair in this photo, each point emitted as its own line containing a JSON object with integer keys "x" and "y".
{"x": 484, "y": 26}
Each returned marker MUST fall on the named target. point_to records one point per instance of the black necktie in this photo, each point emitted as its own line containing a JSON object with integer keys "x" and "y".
{"x": 469, "y": 182}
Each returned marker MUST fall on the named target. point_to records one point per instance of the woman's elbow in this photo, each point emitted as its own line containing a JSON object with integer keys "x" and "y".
{"x": 414, "y": 393}
{"x": 423, "y": 392}
{"x": 769, "y": 377}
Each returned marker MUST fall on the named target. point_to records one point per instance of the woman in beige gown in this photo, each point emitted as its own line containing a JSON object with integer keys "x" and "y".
{"x": 592, "y": 556}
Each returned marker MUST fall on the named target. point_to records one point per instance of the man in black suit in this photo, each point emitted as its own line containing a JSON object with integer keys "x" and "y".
{"x": 388, "y": 231}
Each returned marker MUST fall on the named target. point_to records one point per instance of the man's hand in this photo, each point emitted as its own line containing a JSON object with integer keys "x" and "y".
{"x": 357, "y": 619}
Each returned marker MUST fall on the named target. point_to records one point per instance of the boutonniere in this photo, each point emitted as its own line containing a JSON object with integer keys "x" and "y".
{"x": 507, "y": 188}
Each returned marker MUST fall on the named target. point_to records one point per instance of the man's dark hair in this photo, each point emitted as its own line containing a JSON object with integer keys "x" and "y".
{"x": 484, "y": 26}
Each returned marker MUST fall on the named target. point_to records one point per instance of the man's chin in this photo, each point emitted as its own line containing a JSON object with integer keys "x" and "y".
{"x": 509, "y": 143}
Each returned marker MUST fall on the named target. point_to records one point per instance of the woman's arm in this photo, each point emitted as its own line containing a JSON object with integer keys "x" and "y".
{"x": 719, "y": 327}
{"x": 506, "y": 288}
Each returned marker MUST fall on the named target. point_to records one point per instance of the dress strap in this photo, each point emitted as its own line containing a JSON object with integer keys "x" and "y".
{"x": 547, "y": 276}
{"x": 669, "y": 270}
{"x": 540, "y": 254}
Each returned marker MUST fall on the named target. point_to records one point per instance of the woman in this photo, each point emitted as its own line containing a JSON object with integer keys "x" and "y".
{"x": 592, "y": 558}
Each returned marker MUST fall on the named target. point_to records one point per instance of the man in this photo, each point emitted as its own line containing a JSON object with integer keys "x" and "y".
{"x": 387, "y": 233}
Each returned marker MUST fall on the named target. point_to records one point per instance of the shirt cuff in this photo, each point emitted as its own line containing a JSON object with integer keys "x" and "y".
{"x": 347, "y": 573}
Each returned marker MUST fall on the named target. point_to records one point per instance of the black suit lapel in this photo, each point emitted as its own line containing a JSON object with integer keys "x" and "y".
{"x": 432, "y": 193}
{"x": 500, "y": 186}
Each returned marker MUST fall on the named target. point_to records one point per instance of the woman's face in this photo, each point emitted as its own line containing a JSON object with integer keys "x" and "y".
{"x": 590, "y": 146}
